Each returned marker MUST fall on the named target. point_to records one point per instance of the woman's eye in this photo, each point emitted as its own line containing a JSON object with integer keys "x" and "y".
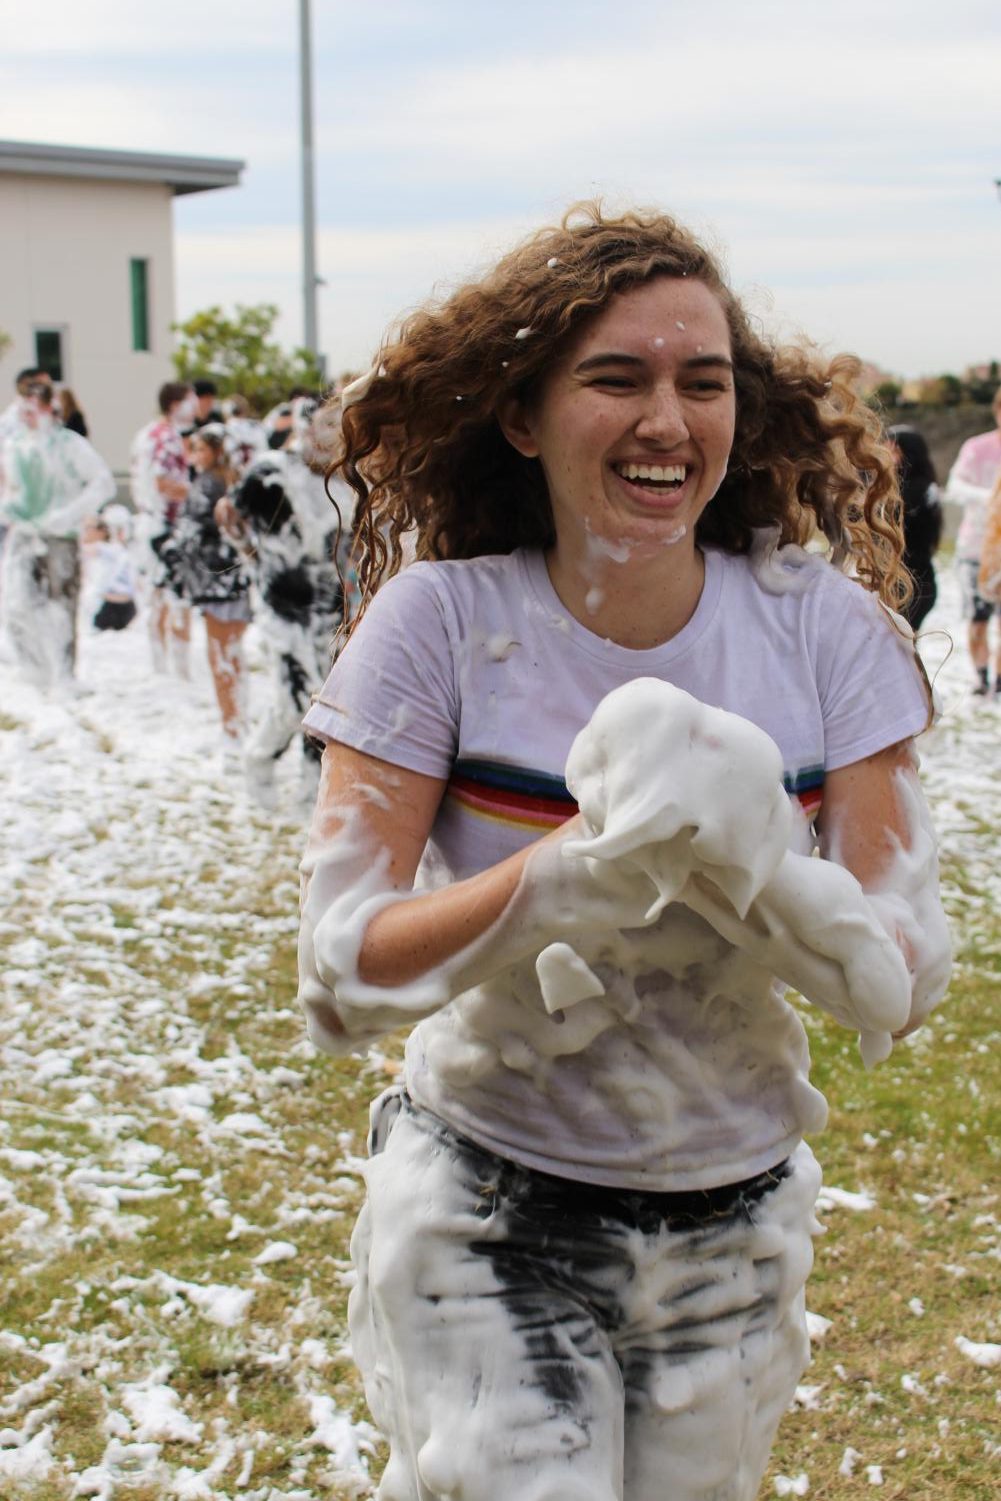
{"x": 614, "y": 382}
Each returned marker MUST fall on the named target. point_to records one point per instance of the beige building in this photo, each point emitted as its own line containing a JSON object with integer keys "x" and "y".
{"x": 87, "y": 275}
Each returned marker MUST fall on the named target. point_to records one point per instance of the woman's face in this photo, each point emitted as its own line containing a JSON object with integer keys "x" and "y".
{"x": 634, "y": 424}
{"x": 202, "y": 456}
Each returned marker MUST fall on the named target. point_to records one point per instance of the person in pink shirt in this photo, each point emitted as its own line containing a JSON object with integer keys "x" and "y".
{"x": 971, "y": 480}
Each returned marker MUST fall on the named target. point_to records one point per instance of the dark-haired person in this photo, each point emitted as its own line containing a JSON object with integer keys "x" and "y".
{"x": 207, "y": 571}
{"x": 922, "y": 518}
{"x": 971, "y": 480}
{"x": 51, "y": 480}
{"x": 68, "y": 411}
{"x": 160, "y": 482}
{"x": 207, "y": 408}
{"x": 581, "y": 1264}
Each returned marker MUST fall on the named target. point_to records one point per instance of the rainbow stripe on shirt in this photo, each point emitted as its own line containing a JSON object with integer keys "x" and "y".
{"x": 536, "y": 801}
{"x": 807, "y": 787}
{"x": 511, "y": 795}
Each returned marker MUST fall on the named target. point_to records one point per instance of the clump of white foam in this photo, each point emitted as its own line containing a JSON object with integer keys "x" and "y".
{"x": 983, "y": 1353}
{"x": 603, "y": 550}
{"x": 715, "y": 835}
{"x": 668, "y": 825}
{"x": 217, "y": 1302}
{"x": 156, "y": 1412}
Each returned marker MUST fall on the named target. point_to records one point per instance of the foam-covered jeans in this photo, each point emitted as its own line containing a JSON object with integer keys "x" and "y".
{"x": 528, "y": 1338}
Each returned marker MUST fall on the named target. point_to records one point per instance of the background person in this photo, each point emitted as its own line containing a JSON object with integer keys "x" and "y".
{"x": 105, "y": 539}
{"x": 922, "y": 518}
{"x": 971, "y": 480}
{"x": 160, "y": 483}
{"x": 582, "y": 1257}
{"x": 68, "y": 412}
{"x": 207, "y": 569}
{"x": 296, "y": 546}
{"x": 245, "y": 436}
{"x": 12, "y": 416}
{"x": 51, "y": 479}
{"x": 207, "y": 408}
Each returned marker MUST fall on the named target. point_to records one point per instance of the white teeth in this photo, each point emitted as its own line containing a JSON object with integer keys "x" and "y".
{"x": 673, "y": 472}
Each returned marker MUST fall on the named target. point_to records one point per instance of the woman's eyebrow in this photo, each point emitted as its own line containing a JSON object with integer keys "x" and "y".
{"x": 699, "y": 360}
{"x": 614, "y": 357}
{"x": 611, "y": 358}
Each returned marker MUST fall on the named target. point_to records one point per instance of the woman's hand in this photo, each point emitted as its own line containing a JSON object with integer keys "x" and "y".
{"x": 374, "y": 954}
{"x": 860, "y": 933}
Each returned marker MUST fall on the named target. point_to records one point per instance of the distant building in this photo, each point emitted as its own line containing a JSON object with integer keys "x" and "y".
{"x": 87, "y": 274}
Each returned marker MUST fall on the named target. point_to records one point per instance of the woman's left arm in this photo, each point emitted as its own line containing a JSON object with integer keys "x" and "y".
{"x": 874, "y": 822}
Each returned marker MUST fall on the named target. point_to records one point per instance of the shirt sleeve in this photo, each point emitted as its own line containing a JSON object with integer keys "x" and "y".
{"x": 873, "y": 689}
{"x": 392, "y": 691}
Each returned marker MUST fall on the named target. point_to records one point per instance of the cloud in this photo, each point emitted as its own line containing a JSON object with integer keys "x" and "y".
{"x": 109, "y": 28}
{"x": 929, "y": 319}
{"x": 824, "y": 150}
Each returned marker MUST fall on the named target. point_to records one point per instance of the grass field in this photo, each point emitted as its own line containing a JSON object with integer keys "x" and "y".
{"x": 179, "y": 1171}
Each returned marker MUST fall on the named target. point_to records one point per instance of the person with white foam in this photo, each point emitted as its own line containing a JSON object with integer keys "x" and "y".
{"x": 51, "y": 480}
{"x": 294, "y": 536}
{"x": 972, "y": 477}
{"x": 578, "y": 756}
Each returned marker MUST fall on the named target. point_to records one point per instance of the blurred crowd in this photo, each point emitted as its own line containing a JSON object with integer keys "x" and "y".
{"x": 229, "y": 515}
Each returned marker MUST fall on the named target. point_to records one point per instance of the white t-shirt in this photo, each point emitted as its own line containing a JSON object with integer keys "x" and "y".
{"x": 114, "y": 574}
{"x": 476, "y": 673}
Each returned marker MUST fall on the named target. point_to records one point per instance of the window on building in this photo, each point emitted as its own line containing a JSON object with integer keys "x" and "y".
{"x": 49, "y": 351}
{"x": 139, "y": 276}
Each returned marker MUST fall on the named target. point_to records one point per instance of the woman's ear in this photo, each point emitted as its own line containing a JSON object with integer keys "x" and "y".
{"x": 515, "y": 423}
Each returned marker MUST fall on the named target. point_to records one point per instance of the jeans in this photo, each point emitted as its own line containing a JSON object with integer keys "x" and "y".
{"x": 528, "y": 1338}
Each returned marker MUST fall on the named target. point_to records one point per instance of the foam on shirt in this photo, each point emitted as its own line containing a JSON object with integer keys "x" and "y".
{"x": 637, "y": 963}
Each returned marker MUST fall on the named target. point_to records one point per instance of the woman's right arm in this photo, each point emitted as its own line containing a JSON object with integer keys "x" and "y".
{"x": 375, "y": 955}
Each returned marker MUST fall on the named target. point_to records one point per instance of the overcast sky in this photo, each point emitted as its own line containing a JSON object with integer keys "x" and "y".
{"x": 842, "y": 156}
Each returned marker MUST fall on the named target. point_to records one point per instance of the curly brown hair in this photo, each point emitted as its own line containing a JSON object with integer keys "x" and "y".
{"x": 425, "y": 454}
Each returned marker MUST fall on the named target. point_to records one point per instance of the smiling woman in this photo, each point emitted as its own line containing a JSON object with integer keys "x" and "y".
{"x": 633, "y": 427}
{"x": 577, "y": 758}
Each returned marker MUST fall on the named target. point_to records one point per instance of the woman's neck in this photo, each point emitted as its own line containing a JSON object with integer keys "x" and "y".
{"x": 628, "y": 595}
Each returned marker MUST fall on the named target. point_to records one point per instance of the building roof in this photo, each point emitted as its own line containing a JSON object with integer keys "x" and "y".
{"x": 182, "y": 174}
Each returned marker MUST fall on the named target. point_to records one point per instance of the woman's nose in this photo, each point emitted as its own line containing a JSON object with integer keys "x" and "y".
{"x": 663, "y": 418}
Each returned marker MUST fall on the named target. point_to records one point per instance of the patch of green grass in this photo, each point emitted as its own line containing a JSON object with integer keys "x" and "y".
{"x": 899, "y": 1282}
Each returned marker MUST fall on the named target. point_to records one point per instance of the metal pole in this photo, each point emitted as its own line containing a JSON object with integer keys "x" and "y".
{"x": 309, "y": 281}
